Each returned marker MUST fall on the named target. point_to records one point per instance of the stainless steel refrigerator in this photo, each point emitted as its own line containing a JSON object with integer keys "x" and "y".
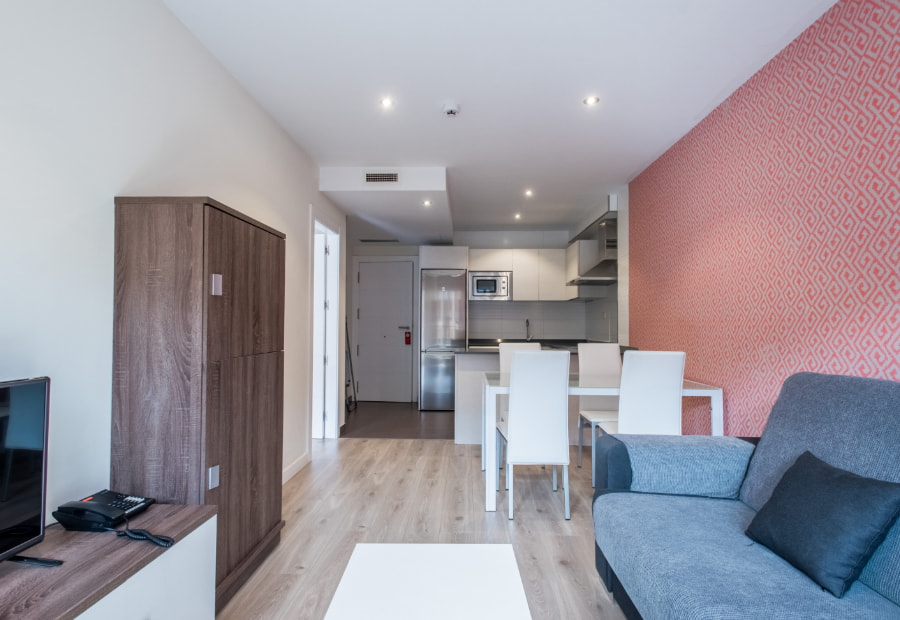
{"x": 443, "y": 333}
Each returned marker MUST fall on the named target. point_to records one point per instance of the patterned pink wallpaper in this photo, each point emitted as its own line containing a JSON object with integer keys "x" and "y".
{"x": 767, "y": 240}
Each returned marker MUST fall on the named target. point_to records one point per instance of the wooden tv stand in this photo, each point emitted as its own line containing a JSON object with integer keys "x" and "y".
{"x": 102, "y": 571}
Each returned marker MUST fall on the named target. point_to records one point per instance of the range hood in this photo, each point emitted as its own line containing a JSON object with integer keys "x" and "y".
{"x": 593, "y": 260}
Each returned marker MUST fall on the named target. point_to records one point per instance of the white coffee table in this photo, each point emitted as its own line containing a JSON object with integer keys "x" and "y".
{"x": 414, "y": 581}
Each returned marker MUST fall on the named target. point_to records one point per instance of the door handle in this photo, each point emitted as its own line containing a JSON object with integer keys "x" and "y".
{"x": 403, "y": 327}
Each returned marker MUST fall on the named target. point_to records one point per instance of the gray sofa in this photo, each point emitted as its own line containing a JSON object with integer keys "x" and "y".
{"x": 670, "y": 513}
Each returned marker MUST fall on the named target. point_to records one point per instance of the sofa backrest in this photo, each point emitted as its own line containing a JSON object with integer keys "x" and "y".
{"x": 849, "y": 422}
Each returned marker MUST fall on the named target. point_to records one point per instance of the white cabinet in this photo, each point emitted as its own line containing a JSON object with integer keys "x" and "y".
{"x": 538, "y": 275}
{"x": 491, "y": 260}
{"x": 443, "y": 257}
{"x": 180, "y": 583}
{"x": 552, "y": 277}
{"x": 526, "y": 266}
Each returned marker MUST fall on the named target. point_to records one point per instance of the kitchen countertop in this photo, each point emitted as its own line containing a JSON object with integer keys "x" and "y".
{"x": 492, "y": 345}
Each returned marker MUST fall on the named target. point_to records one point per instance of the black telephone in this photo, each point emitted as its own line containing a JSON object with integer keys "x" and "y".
{"x": 101, "y": 511}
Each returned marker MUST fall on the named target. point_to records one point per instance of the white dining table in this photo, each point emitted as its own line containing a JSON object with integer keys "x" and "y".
{"x": 495, "y": 384}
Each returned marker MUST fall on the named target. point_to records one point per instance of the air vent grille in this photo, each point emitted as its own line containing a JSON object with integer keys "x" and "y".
{"x": 382, "y": 177}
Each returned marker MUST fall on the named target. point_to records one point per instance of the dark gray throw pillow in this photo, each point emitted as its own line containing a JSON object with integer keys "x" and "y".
{"x": 825, "y": 521}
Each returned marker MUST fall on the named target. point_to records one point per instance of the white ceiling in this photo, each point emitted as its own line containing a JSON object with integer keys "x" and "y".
{"x": 517, "y": 69}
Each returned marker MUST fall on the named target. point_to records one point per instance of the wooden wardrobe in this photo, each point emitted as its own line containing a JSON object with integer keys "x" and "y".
{"x": 198, "y": 369}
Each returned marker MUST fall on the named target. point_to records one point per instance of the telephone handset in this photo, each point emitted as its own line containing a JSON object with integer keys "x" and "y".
{"x": 101, "y": 511}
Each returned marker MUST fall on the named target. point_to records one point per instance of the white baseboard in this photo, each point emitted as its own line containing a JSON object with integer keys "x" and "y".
{"x": 294, "y": 468}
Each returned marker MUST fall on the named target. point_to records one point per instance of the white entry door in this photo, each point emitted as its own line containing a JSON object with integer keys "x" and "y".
{"x": 384, "y": 355}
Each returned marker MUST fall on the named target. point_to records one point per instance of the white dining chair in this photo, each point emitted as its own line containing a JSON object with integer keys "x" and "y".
{"x": 650, "y": 393}
{"x": 507, "y": 349}
{"x": 649, "y": 398}
{"x": 536, "y": 430}
{"x": 600, "y": 359}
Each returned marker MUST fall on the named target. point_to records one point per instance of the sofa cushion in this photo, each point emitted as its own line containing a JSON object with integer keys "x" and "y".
{"x": 826, "y": 521}
{"x": 688, "y": 557}
{"x": 850, "y": 422}
{"x": 687, "y": 465}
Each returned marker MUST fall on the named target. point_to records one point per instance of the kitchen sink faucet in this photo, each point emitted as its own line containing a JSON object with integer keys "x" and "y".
{"x": 527, "y": 331}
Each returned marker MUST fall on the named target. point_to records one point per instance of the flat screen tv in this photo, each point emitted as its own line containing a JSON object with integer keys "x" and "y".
{"x": 24, "y": 408}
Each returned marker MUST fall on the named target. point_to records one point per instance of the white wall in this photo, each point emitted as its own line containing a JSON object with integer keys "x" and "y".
{"x": 104, "y": 98}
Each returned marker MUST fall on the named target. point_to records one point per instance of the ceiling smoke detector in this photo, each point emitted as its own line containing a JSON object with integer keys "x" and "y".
{"x": 451, "y": 109}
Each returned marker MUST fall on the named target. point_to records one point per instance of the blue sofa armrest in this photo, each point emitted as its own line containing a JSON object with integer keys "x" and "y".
{"x": 677, "y": 465}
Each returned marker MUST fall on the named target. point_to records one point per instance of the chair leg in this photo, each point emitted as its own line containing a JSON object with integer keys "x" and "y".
{"x": 580, "y": 435}
{"x": 566, "y": 487}
{"x": 593, "y": 454}
{"x": 554, "y": 479}
{"x": 509, "y": 485}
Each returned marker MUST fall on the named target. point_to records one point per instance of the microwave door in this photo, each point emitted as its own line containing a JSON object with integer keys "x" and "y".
{"x": 486, "y": 286}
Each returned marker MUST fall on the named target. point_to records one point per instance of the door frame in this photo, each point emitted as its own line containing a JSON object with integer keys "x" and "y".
{"x": 337, "y": 225}
{"x": 328, "y": 399}
{"x": 354, "y": 308}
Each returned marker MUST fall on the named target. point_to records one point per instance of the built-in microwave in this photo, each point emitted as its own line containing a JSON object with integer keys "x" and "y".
{"x": 490, "y": 285}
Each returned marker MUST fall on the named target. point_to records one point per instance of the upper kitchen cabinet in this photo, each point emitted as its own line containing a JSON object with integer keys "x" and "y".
{"x": 491, "y": 260}
{"x": 443, "y": 257}
{"x": 526, "y": 266}
{"x": 540, "y": 275}
{"x": 552, "y": 277}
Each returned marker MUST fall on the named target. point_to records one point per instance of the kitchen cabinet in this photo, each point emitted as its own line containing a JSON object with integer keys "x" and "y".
{"x": 491, "y": 260}
{"x": 552, "y": 276}
{"x": 443, "y": 257}
{"x": 538, "y": 275}
{"x": 526, "y": 265}
{"x": 198, "y": 369}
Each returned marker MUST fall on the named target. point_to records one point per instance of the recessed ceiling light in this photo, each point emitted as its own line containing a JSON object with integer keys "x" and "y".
{"x": 518, "y": 216}
{"x": 529, "y": 193}
{"x": 387, "y": 103}
{"x": 592, "y": 100}
{"x": 426, "y": 203}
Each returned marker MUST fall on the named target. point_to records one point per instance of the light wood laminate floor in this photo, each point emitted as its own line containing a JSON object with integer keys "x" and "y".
{"x": 428, "y": 491}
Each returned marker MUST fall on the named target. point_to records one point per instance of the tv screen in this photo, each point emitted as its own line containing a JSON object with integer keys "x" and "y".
{"x": 24, "y": 408}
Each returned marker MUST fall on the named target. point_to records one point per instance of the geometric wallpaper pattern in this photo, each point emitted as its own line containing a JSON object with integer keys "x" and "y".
{"x": 767, "y": 240}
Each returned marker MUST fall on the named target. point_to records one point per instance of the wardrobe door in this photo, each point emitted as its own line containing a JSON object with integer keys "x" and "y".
{"x": 268, "y": 292}
{"x": 249, "y": 403}
{"x": 257, "y": 304}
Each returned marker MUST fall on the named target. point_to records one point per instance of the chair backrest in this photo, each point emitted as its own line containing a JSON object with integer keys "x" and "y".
{"x": 508, "y": 348}
{"x": 599, "y": 358}
{"x": 539, "y": 408}
{"x": 650, "y": 393}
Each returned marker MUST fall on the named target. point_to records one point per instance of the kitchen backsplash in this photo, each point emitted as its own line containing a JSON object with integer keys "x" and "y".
{"x": 559, "y": 320}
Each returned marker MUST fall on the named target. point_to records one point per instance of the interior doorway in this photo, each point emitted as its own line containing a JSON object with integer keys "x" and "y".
{"x": 326, "y": 393}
